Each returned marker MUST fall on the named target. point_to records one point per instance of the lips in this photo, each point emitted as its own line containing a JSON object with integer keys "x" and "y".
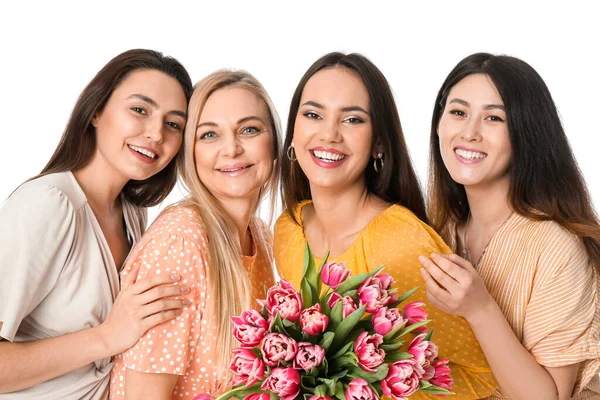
{"x": 469, "y": 154}
{"x": 146, "y": 151}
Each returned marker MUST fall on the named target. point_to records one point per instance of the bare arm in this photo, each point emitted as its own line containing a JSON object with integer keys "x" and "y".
{"x": 138, "y": 307}
{"x": 143, "y": 386}
{"x": 454, "y": 287}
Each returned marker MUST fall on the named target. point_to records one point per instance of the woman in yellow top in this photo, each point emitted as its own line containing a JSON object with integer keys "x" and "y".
{"x": 349, "y": 188}
{"x": 507, "y": 195}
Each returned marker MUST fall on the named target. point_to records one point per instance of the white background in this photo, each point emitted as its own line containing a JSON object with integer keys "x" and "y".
{"x": 50, "y": 50}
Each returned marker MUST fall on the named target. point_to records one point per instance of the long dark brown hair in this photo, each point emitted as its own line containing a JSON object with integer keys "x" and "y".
{"x": 545, "y": 181}
{"x": 78, "y": 142}
{"x": 396, "y": 182}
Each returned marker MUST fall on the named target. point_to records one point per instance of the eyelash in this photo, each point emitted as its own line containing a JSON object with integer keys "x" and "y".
{"x": 139, "y": 110}
{"x": 312, "y": 115}
{"x": 460, "y": 113}
{"x": 254, "y": 132}
{"x": 354, "y": 120}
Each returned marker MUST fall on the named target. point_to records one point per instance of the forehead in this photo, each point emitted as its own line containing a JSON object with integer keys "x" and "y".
{"x": 336, "y": 87}
{"x": 157, "y": 85}
{"x": 233, "y": 103}
{"x": 476, "y": 89}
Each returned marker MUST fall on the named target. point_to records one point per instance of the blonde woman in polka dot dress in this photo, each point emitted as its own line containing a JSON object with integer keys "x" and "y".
{"x": 349, "y": 188}
{"x": 213, "y": 239}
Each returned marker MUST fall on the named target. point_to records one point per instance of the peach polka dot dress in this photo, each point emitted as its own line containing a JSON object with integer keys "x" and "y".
{"x": 396, "y": 238}
{"x": 185, "y": 346}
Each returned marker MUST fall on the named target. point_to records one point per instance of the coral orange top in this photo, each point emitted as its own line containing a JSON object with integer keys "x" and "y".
{"x": 396, "y": 238}
{"x": 185, "y": 346}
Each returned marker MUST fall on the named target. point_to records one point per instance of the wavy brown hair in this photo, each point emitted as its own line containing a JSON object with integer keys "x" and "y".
{"x": 397, "y": 181}
{"x": 545, "y": 180}
{"x": 78, "y": 142}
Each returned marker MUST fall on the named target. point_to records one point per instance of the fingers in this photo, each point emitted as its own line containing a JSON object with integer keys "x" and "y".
{"x": 450, "y": 266}
{"x": 159, "y": 318}
{"x": 127, "y": 279}
{"x": 437, "y": 273}
{"x": 435, "y": 293}
{"x": 158, "y": 292}
{"x": 143, "y": 285}
{"x": 461, "y": 262}
{"x": 163, "y": 305}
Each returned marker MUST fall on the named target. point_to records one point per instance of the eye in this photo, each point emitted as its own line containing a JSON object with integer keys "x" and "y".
{"x": 495, "y": 118}
{"x": 208, "y": 135}
{"x": 354, "y": 120}
{"x": 250, "y": 130}
{"x": 312, "y": 115}
{"x": 458, "y": 113}
{"x": 139, "y": 110}
{"x": 174, "y": 125}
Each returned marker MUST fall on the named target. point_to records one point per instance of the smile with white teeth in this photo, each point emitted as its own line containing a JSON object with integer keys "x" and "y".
{"x": 145, "y": 152}
{"x": 327, "y": 156}
{"x": 470, "y": 155}
{"x": 233, "y": 169}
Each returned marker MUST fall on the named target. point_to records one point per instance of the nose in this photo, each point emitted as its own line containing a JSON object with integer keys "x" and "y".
{"x": 330, "y": 132}
{"x": 232, "y": 146}
{"x": 472, "y": 129}
{"x": 154, "y": 131}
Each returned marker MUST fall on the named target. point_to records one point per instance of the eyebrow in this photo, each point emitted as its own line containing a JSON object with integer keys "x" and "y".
{"x": 155, "y": 104}
{"x": 345, "y": 109}
{"x": 485, "y": 107}
{"x": 240, "y": 121}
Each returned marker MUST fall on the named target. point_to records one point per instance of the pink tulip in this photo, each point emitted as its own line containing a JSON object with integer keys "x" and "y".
{"x": 384, "y": 320}
{"x": 348, "y": 304}
{"x": 250, "y": 328}
{"x": 442, "y": 376}
{"x": 277, "y": 347}
{"x": 315, "y": 397}
{"x": 313, "y": 321}
{"x": 284, "y": 382}
{"x": 258, "y": 396}
{"x": 402, "y": 380}
{"x": 283, "y": 299}
{"x": 359, "y": 389}
{"x": 334, "y": 273}
{"x": 414, "y": 313}
{"x": 203, "y": 396}
{"x": 308, "y": 356}
{"x": 367, "y": 349}
{"x": 386, "y": 281}
{"x": 373, "y": 293}
{"x": 423, "y": 351}
{"x": 247, "y": 367}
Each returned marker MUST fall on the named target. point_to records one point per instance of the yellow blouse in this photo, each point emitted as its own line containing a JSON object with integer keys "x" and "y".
{"x": 396, "y": 238}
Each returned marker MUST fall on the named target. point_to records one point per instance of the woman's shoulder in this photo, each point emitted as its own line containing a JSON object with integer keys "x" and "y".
{"x": 179, "y": 220}
{"x": 546, "y": 233}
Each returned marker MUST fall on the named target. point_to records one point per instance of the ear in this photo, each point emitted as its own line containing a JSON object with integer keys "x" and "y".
{"x": 378, "y": 148}
{"x": 95, "y": 119}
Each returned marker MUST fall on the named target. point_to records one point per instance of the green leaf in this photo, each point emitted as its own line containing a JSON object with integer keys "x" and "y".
{"x": 342, "y": 351}
{"x": 326, "y": 340}
{"x": 354, "y": 282}
{"x": 411, "y": 328}
{"x": 336, "y": 315}
{"x": 390, "y": 335}
{"x": 371, "y": 377}
{"x": 321, "y": 390}
{"x": 391, "y": 346}
{"x": 407, "y": 294}
{"x": 397, "y": 356}
{"x": 429, "y": 335}
{"x": 339, "y": 391}
{"x": 426, "y": 387}
{"x": 306, "y": 291}
{"x": 241, "y": 391}
{"x": 347, "y": 360}
{"x": 346, "y": 326}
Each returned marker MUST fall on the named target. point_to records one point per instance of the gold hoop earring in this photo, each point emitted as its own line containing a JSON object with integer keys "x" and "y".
{"x": 291, "y": 153}
{"x": 380, "y": 158}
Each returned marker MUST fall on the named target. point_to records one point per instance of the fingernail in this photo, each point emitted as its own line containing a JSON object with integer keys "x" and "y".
{"x": 175, "y": 277}
{"x": 177, "y": 312}
{"x": 421, "y": 258}
{"x": 185, "y": 289}
{"x": 422, "y": 270}
{"x": 185, "y": 302}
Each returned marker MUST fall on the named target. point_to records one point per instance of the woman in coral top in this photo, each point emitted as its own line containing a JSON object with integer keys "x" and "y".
{"x": 213, "y": 239}
{"x": 508, "y": 196}
{"x": 348, "y": 187}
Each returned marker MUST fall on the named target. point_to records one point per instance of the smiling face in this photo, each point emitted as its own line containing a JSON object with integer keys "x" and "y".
{"x": 333, "y": 134}
{"x": 234, "y": 144}
{"x": 139, "y": 131}
{"x": 473, "y": 132}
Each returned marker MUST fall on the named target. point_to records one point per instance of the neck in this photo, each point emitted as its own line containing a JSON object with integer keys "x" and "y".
{"x": 332, "y": 206}
{"x": 100, "y": 183}
{"x": 489, "y": 205}
{"x": 240, "y": 211}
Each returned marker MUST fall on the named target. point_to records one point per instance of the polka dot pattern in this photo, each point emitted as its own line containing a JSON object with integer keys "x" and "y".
{"x": 397, "y": 238}
{"x": 185, "y": 346}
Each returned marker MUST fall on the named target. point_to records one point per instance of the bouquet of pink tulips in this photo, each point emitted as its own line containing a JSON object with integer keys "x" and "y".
{"x": 344, "y": 340}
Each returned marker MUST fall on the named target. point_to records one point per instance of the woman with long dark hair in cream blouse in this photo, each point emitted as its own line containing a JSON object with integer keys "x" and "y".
{"x": 66, "y": 233}
{"x": 507, "y": 194}
{"x": 349, "y": 187}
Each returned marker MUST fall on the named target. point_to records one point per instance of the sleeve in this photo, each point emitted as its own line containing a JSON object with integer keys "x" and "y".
{"x": 287, "y": 247}
{"x": 560, "y": 317}
{"x": 37, "y": 231}
{"x": 169, "y": 347}
{"x": 405, "y": 239}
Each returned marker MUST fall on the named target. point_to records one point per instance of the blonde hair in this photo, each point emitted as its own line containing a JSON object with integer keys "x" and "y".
{"x": 229, "y": 284}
